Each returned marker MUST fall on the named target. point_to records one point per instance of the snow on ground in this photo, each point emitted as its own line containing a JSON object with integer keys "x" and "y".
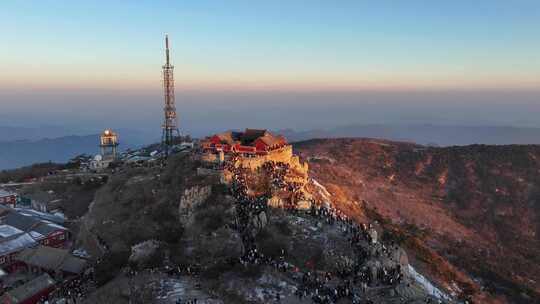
{"x": 171, "y": 290}
{"x": 322, "y": 190}
{"x": 426, "y": 284}
{"x": 60, "y": 215}
{"x": 7, "y": 231}
{"x": 266, "y": 288}
{"x": 321, "y": 157}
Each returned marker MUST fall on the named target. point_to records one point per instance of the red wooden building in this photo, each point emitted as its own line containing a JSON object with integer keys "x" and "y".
{"x": 23, "y": 229}
{"x": 59, "y": 263}
{"x": 251, "y": 141}
{"x": 31, "y": 292}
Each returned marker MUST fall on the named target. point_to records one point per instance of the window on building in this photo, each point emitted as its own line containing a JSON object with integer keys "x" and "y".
{"x": 62, "y": 237}
{"x": 2, "y": 260}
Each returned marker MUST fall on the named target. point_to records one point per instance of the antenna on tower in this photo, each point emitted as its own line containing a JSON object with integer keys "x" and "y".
{"x": 170, "y": 124}
{"x": 167, "y": 48}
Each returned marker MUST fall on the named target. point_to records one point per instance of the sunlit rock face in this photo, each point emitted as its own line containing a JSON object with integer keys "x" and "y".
{"x": 191, "y": 198}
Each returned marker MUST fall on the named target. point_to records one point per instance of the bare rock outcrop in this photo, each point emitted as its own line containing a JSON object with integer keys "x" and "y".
{"x": 191, "y": 198}
{"x": 144, "y": 251}
{"x": 258, "y": 222}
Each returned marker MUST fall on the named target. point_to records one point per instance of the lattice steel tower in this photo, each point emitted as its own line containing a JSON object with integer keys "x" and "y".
{"x": 170, "y": 124}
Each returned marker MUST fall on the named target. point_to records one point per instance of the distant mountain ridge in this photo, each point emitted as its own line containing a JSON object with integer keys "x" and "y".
{"x": 426, "y": 134}
{"x": 22, "y": 146}
{"x": 12, "y": 133}
{"x": 19, "y": 153}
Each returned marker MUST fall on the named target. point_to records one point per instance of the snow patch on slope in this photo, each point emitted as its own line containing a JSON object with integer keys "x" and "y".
{"x": 426, "y": 284}
{"x": 322, "y": 190}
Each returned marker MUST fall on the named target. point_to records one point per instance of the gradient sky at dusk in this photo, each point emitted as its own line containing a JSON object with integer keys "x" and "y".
{"x": 276, "y": 44}
{"x": 115, "y": 48}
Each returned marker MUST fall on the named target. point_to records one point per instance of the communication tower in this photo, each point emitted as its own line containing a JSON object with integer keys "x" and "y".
{"x": 170, "y": 124}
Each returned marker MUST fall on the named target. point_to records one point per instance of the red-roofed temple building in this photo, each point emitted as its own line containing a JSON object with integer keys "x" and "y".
{"x": 250, "y": 149}
{"x": 249, "y": 142}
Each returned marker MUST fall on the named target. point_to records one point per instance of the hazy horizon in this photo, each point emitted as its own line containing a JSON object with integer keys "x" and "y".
{"x": 202, "y": 112}
{"x": 302, "y": 65}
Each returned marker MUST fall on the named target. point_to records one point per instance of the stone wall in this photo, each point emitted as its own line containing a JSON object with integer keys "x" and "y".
{"x": 210, "y": 172}
{"x": 284, "y": 155}
{"x": 280, "y": 155}
{"x": 219, "y": 175}
{"x": 209, "y": 157}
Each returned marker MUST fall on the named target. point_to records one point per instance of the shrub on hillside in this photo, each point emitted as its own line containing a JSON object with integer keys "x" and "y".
{"x": 211, "y": 218}
{"x": 163, "y": 213}
{"x": 283, "y": 227}
{"x": 170, "y": 233}
{"x": 109, "y": 266}
{"x": 271, "y": 243}
{"x": 33, "y": 171}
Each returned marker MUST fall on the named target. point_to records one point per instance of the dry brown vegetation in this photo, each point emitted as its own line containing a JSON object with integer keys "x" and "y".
{"x": 138, "y": 204}
{"x": 473, "y": 208}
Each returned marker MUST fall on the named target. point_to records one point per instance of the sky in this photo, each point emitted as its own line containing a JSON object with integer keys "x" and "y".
{"x": 92, "y": 63}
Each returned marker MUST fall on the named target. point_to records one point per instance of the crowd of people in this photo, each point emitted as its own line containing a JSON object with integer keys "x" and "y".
{"x": 73, "y": 290}
{"x": 76, "y": 288}
{"x": 278, "y": 173}
{"x": 351, "y": 281}
{"x": 347, "y": 281}
{"x": 191, "y": 301}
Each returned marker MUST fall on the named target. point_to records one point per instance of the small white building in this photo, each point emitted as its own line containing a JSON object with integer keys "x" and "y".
{"x": 99, "y": 163}
{"x": 8, "y": 198}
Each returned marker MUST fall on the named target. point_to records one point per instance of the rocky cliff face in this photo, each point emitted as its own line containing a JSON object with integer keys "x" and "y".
{"x": 470, "y": 216}
{"x": 192, "y": 198}
{"x": 190, "y": 237}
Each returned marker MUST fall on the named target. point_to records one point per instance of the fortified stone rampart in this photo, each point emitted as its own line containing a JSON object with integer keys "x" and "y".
{"x": 253, "y": 162}
{"x": 218, "y": 174}
{"x": 209, "y": 157}
{"x": 284, "y": 155}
